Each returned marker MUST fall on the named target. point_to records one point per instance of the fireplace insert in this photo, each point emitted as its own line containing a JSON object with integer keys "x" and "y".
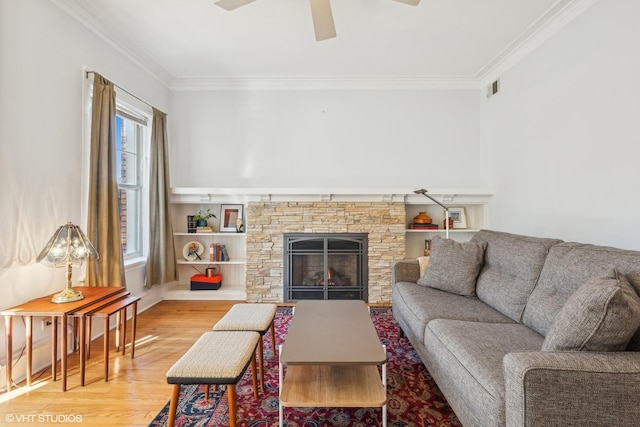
{"x": 325, "y": 266}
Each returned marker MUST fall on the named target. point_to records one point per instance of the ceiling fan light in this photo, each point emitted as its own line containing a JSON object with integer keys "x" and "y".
{"x": 322, "y": 19}
{"x": 232, "y": 4}
{"x": 409, "y": 2}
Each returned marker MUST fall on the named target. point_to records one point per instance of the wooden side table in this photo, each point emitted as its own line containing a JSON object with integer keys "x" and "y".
{"x": 44, "y": 307}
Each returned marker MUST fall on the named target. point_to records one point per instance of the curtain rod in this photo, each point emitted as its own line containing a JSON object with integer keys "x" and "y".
{"x": 121, "y": 88}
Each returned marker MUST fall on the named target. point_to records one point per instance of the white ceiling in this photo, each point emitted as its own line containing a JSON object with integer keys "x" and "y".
{"x": 195, "y": 40}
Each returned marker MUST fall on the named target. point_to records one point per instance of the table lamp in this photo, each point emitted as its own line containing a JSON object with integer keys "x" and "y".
{"x": 68, "y": 246}
{"x": 446, "y": 209}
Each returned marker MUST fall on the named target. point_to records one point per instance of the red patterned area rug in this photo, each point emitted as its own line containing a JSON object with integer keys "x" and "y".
{"x": 414, "y": 400}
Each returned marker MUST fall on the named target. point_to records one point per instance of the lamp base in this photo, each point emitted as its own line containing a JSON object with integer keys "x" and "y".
{"x": 68, "y": 295}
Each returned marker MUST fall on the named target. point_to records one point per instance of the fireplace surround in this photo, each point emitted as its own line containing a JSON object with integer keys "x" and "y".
{"x": 268, "y": 221}
{"x": 325, "y": 266}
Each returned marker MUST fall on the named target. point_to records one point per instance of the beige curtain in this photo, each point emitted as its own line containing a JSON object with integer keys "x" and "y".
{"x": 161, "y": 265}
{"x": 103, "y": 227}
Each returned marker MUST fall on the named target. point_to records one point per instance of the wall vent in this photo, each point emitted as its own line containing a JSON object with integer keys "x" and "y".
{"x": 493, "y": 88}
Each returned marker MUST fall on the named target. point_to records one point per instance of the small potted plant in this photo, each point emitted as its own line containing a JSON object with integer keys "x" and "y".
{"x": 202, "y": 217}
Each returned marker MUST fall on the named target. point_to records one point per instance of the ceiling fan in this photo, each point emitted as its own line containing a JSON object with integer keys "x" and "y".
{"x": 320, "y": 13}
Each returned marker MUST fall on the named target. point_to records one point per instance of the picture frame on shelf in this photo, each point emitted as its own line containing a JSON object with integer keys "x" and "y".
{"x": 229, "y": 216}
{"x": 458, "y": 217}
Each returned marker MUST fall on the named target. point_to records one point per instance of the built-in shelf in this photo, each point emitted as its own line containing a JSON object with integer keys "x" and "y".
{"x": 206, "y": 262}
{"x": 233, "y": 271}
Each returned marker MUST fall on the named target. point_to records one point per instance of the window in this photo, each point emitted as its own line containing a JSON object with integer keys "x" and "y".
{"x": 130, "y": 131}
{"x": 133, "y": 135}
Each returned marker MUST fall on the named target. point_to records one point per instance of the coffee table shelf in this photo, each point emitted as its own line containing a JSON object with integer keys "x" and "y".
{"x": 342, "y": 387}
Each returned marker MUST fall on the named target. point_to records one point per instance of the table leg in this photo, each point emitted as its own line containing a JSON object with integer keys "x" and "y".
{"x": 54, "y": 348}
{"x": 89, "y": 334}
{"x": 134, "y": 315}
{"x": 8, "y": 327}
{"x": 28, "y": 324}
{"x": 83, "y": 349}
{"x": 123, "y": 325}
{"x": 63, "y": 350}
{"x": 106, "y": 348}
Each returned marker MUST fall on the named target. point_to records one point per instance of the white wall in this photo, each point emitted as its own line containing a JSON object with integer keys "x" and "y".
{"x": 561, "y": 142}
{"x": 42, "y": 52}
{"x": 334, "y": 138}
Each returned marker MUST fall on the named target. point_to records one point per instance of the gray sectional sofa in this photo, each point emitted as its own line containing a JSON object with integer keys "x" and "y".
{"x": 545, "y": 334}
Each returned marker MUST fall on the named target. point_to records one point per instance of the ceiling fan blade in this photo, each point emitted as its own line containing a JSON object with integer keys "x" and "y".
{"x": 232, "y": 4}
{"x": 322, "y": 19}
{"x": 409, "y": 2}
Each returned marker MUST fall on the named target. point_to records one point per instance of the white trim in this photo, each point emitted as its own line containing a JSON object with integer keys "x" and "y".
{"x": 325, "y": 83}
{"x": 83, "y": 12}
{"x": 548, "y": 24}
{"x": 554, "y": 19}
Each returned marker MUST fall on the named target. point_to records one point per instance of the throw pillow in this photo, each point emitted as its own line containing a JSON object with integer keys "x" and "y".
{"x": 454, "y": 266}
{"x": 423, "y": 262}
{"x": 602, "y": 315}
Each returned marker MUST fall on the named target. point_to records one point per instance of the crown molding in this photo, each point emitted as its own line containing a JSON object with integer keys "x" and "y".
{"x": 325, "y": 83}
{"x": 553, "y": 20}
{"x": 84, "y": 12}
{"x": 547, "y": 25}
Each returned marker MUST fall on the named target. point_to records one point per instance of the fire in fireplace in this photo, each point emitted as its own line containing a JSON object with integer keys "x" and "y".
{"x": 325, "y": 266}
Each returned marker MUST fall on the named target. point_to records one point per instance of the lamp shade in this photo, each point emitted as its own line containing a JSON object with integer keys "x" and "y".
{"x": 67, "y": 247}
{"x": 68, "y": 244}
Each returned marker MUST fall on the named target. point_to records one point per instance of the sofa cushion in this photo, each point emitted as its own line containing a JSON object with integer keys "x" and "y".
{"x": 469, "y": 357}
{"x": 567, "y": 267}
{"x": 512, "y": 266}
{"x": 454, "y": 266}
{"x": 602, "y": 315}
{"x": 415, "y": 305}
{"x": 634, "y": 279}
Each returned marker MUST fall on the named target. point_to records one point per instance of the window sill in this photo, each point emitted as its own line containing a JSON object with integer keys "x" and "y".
{"x": 133, "y": 263}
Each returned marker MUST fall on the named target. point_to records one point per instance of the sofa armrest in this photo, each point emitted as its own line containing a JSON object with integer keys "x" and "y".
{"x": 405, "y": 271}
{"x": 572, "y": 388}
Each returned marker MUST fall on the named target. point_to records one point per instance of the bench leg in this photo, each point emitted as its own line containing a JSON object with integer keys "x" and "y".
{"x": 273, "y": 336}
{"x": 231, "y": 390}
{"x": 254, "y": 376}
{"x": 261, "y": 360}
{"x": 173, "y": 406}
{"x": 206, "y": 392}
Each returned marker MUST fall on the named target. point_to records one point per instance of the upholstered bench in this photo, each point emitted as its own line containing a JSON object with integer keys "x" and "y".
{"x": 251, "y": 317}
{"x": 218, "y": 357}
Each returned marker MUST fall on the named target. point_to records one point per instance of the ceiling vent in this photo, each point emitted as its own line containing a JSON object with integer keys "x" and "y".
{"x": 493, "y": 88}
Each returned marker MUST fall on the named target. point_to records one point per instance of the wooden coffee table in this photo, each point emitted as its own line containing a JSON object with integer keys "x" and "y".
{"x": 332, "y": 352}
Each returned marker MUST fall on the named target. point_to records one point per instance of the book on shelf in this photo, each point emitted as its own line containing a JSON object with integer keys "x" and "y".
{"x": 425, "y": 226}
{"x": 191, "y": 224}
{"x": 218, "y": 253}
{"x": 204, "y": 229}
{"x": 224, "y": 255}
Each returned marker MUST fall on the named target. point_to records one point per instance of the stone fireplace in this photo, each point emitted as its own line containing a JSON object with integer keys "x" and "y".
{"x": 267, "y": 222}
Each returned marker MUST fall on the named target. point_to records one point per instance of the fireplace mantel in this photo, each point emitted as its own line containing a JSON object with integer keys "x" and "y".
{"x": 325, "y": 194}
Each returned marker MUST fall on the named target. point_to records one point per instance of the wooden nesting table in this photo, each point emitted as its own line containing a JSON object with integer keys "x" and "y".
{"x": 332, "y": 353}
{"x": 44, "y": 307}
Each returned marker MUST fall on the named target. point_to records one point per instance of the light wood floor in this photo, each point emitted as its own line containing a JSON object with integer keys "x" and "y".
{"x": 136, "y": 390}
